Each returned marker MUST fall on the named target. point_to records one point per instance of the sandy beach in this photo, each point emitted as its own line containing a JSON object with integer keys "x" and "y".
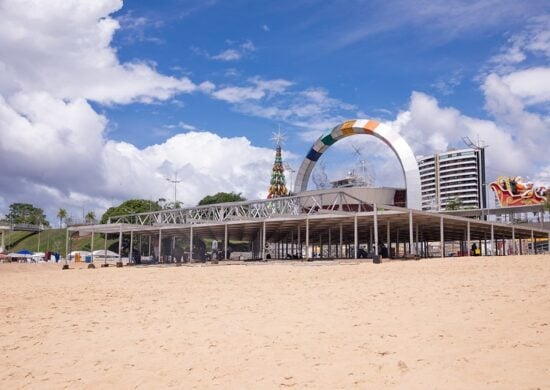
{"x": 455, "y": 323}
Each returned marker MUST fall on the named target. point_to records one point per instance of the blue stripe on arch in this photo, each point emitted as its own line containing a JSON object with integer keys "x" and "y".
{"x": 313, "y": 155}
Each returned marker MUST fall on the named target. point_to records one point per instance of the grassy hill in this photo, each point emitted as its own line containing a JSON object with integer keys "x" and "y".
{"x": 54, "y": 240}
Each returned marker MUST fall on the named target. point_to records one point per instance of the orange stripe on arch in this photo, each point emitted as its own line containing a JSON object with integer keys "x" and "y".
{"x": 347, "y": 128}
{"x": 371, "y": 125}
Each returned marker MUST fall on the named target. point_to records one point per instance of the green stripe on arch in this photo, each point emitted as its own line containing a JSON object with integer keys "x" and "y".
{"x": 328, "y": 139}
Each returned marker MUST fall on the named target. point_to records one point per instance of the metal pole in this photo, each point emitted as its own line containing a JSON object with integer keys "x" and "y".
{"x": 388, "y": 239}
{"x": 92, "y": 246}
{"x": 442, "y": 237}
{"x": 120, "y": 245}
{"x": 411, "y": 236}
{"x": 494, "y": 251}
{"x": 307, "y": 238}
{"x": 38, "y": 246}
{"x": 355, "y": 237}
{"x": 160, "y": 246}
{"x": 225, "y": 242}
{"x": 533, "y": 242}
{"x": 105, "y": 252}
{"x": 130, "y": 254}
{"x": 67, "y": 246}
{"x": 416, "y": 242}
{"x": 468, "y": 238}
{"x": 191, "y": 244}
{"x": 299, "y": 242}
{"x": 513, "y": 240}
{"x": 329, "y": 242}
{"x": 263, "y": 241}
{"x": 375, "y": 209}
{"x": 341, "y": 241}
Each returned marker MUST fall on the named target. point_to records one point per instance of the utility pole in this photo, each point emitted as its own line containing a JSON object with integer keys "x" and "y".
{"x": 175, "y": 181}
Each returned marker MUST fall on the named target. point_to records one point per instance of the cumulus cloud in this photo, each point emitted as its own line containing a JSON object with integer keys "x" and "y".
{"x": 63, "y": 47}
{"x": 56, "y": 58}
{"x": 234, "y": 53}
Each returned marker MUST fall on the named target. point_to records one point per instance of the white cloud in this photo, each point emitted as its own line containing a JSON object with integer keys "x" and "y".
{"x": 70, "y": 41}
{"x": 258, "y": 89}
{"x": 265, "y": 27}
{"x": 235, "y": 53}
{"x": 55, "y": 57}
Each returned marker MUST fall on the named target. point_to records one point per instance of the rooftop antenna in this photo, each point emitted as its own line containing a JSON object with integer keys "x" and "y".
{"x": 365, "y": 176}
{"x": 479, "y": 145}
{"x": 291, "y": 170}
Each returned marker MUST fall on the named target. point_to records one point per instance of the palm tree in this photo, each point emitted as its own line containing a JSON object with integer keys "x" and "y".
{"x": 90, "y": 217}
{"x": 61, "y": 214}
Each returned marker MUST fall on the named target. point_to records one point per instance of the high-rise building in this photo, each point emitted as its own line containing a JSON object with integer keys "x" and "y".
{"x": 456, "y": 176}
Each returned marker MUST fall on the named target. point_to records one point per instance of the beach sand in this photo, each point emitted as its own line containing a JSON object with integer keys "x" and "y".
{"x": 454, "y": 323}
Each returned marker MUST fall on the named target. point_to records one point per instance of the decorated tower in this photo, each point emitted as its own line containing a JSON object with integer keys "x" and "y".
{"x": 278, "y": 186}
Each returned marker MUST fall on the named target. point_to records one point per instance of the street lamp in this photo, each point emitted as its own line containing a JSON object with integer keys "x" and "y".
{"x": 175, "y": 181}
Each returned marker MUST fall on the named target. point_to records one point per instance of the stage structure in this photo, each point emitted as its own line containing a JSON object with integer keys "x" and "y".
{"x": 369, "y": 127}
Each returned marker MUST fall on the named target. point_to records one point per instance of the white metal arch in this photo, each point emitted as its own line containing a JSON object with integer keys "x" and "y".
{"x": 384, "y": 132}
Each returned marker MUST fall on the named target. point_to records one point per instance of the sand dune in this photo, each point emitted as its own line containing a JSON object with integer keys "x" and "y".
{"x": 457, "y": 323}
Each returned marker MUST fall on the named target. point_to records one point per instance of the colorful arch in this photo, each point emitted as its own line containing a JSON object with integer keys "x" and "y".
{"x": 364, "y": 126}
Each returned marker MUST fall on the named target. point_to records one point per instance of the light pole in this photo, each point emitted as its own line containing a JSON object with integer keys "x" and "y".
{"x": 175, "y": 181}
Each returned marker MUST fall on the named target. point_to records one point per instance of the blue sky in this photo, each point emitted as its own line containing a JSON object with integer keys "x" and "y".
{"x": 122, "y": 95}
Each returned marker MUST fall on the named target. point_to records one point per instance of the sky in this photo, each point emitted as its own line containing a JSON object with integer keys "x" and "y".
{"x": 102, "y": 101}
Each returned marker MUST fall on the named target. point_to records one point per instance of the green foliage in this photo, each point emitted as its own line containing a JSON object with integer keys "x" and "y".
{"x": 90, "y": 217}
{"x": 131, "y": 206}
{"x": 454, "y": 204}
{"x": 221, "y": 197}
{"x": 547, "y": 203}
{"x": 61, "y": 214}
{"x": 26, "y": 213}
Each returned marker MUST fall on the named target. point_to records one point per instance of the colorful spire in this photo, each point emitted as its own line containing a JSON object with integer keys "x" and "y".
{"x": 278, "y": 185}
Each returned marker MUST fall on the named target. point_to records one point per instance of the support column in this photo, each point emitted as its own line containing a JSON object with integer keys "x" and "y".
{"x": 375, "y": 230}
{"x": 416, "y": 232}
{"x": 442, "y": 237}
{"x": 468, "y": 238}
{"x": 494, "y": 251}
{"x": 263, "y": 241}
{"x": 105, "y": 251}
{"x": 67, "y": 247}
{"x": 307, "y": 238}
{"x": 355, "y": 237}
{"x": 119, "y": 247}
{"x": 160, "y": 246}
{"x": 130, "y": 253}
{"x": 340, "y": 251}
{"x": 388, "y": 239}
{"x": 533, "y": 244}
{"x": 225, "y": 242}
{"x": 299, "y": 243}
{"x": 411, "y": 239}
{"x": 514, "y": 239}
{"x": 329, "y": 243}
{"x": 92, "y": 247}
{"x": 190, "y": 244}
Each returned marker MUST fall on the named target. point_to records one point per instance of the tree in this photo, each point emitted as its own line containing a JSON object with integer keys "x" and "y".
{"x": 26, "y": 213}
{"x": 90, "y": 217}
{"x": 61, "y": 214}
{"x": 454, "y": 204}
{"x": 221, "y": 197}
{"x": 131, "y": 206}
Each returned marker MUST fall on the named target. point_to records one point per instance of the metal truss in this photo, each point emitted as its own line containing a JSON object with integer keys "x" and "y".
{"x": 337, "y": 202}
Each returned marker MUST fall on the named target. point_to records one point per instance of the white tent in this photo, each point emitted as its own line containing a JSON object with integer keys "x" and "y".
{"x": 102, "y": 253}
